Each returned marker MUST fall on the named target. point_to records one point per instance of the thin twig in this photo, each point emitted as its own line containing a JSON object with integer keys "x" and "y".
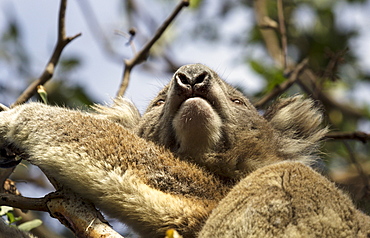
{"x": 359, "y": 169}
{"x": 50, "y": 67}
{"x": 268, "y": 33}
{"x": 284, "y": 41}
{"x": 279, "y": 89}
{"x": 357, "y": 135}
{"x": 307, "y": 80}
{"x": 144, "y": 52}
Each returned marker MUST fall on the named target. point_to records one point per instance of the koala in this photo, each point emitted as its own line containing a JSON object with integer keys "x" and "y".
{"x": 170, "y": 168}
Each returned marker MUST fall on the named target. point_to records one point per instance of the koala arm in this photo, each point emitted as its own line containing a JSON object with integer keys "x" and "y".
{"x": 286, "y": 199}
{"x": 128, "y": 178}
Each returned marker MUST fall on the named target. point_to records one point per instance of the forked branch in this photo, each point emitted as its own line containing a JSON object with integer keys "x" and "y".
{"x": 281, "y": 88}
{"x": 143, "y": 54}
{"x": 62, "y": 41}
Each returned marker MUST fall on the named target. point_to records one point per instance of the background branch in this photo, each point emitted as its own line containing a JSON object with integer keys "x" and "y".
{"x": 357, "y": 135}
{"x": 284, "y": 41}
{"x": 144, "y": 52}
{"x": 359, "y": 169}
{"x": 50, "y": 67}
{"x": 307, "y": 79}
{"x": 279, "y": 89}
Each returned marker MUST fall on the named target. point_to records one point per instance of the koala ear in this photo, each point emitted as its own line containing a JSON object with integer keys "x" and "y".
{"x": 296, "y": 117}
{"x": 299, "y": 122}
{"x": 123, "y": 112}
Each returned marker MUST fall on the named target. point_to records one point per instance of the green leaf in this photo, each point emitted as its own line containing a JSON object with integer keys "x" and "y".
{"x": 11, "y": 217}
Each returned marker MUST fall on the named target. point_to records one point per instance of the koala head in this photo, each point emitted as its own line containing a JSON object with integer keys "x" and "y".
{"x": 196, "y": 113}
{"x": 200, "y": 117}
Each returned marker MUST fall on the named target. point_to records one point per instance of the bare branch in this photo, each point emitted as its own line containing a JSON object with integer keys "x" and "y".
{"x": 50, "y": 67}
{"x": 282, "y": 29}
{"x": 144, "y": 52}
{"x": 81, "y": 217}
{"x": 24, "y": 203}
{"x": 357, "y": 135}
{"x": 308, "y": 82}
{"x": 359, "y": 169}
{"x": 78, "y": 215}
{"x": 307, "y": 79}
{"x": 268, "y": 33}
{"x": 279, "y": 89}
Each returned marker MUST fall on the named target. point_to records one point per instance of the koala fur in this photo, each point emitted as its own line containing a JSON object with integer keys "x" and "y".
{"x": 287, "y": 199}
{"x": 171, "y": 167}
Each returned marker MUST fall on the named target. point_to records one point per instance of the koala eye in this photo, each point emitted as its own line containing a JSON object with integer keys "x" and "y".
{"x": 159, "y": 102}
{"x": 237, "y": 101}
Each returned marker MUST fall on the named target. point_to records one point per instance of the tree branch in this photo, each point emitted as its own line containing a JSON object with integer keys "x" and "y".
{"x": 268, "y": 33}
{"x": 50, "y": 67}
{"x": 359, "y": 169}
{"x": 279, "y": 89}
{"x": 307, "y": 79}
{"x": 357, "y": 135}
{"x": 308, "y": 82}
{"x": 24, "y": 203}
{"x": 78, "y": 215}
{"x": 284, "y": 41}
{"x": 144, "y": 52}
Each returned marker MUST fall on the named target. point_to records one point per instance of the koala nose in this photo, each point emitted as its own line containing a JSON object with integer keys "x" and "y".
{"x": 191, "y": 79}
{"x": 192, "y": 76}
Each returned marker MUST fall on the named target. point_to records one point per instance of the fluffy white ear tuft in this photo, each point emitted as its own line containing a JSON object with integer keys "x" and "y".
{"x": 299, "y": 122}
{"x": 123, "y": 112}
